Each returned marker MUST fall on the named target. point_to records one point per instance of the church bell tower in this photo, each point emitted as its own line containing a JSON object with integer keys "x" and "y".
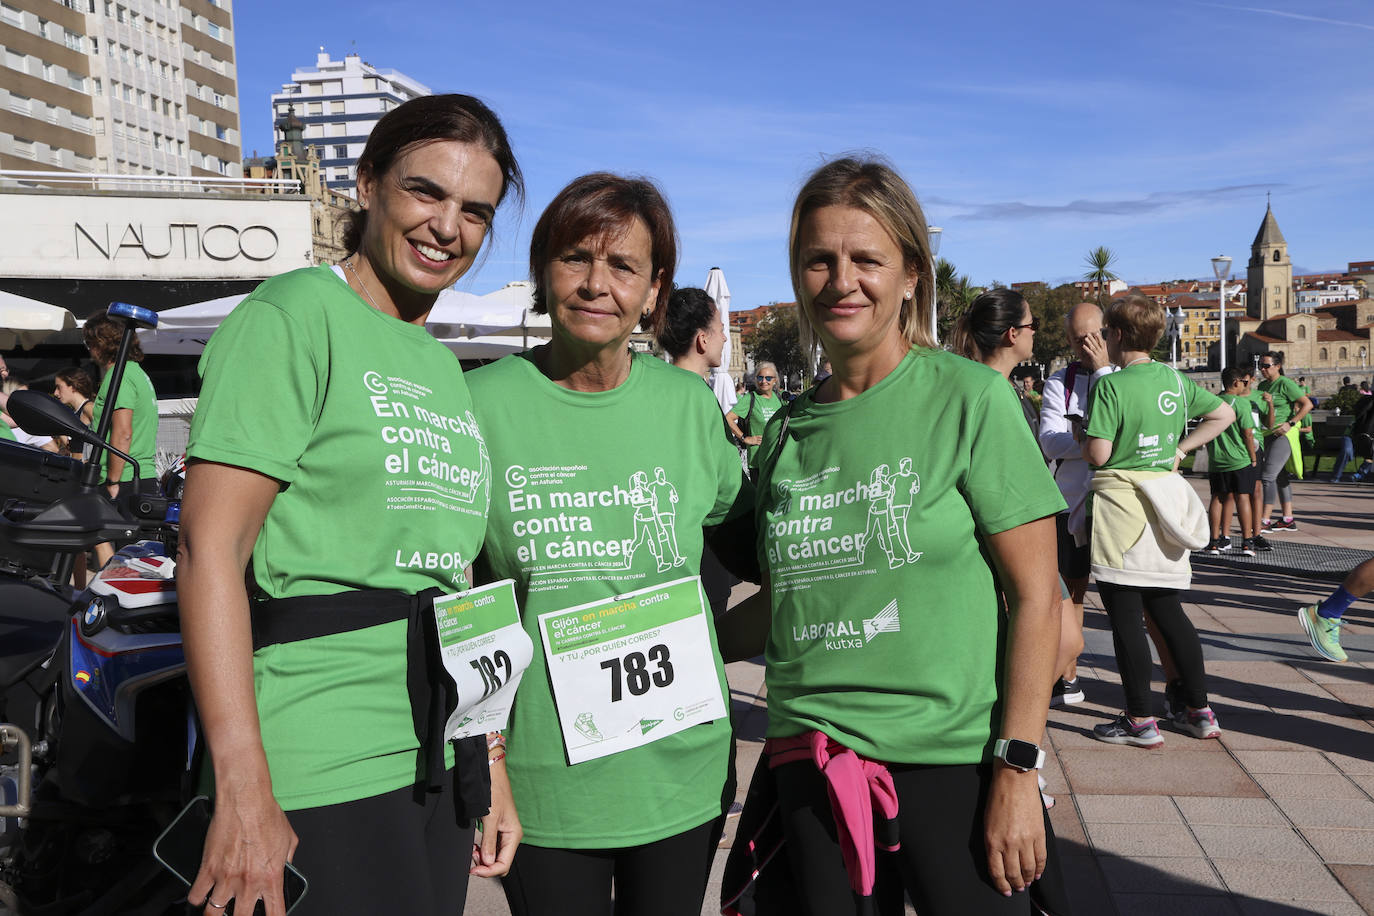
{"x": 1269, "y": 275}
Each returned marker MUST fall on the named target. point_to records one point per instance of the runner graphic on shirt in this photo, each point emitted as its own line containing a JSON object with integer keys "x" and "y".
{"x": 647, "y": 525}
{"x": 665, "y": 513}
{"x": 880, "y": 517}
{"x": 906, "y": 483}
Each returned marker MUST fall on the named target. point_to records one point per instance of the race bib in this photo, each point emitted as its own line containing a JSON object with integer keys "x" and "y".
{"x": 630, "y": 670}
{"x": 486, "y": 652}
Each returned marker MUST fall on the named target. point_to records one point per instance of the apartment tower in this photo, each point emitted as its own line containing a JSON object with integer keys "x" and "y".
{"x": 339, "y": 102}
{"x": 131, "y": 87}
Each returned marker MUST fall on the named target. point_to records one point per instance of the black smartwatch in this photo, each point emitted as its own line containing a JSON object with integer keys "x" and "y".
{"x": 1018, "y": 754}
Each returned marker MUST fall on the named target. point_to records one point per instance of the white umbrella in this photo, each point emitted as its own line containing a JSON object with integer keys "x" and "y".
{"x": 485, "y": 347}
{"x": 25, "y": 322}
{"x": 721, "y": 383}
{"x": 460, "y": 314}
{"x": 185, "y": 329}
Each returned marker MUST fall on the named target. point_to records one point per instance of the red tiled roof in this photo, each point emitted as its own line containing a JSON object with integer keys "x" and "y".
{"x": 1262, "y": 338}
{"x": 1338, "y": 334}
{"x": 1284, "y": 315}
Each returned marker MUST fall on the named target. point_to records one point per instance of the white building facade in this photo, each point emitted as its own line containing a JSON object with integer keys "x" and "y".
{"x": 340, "y": 101}
{"x": 129, "y": 87}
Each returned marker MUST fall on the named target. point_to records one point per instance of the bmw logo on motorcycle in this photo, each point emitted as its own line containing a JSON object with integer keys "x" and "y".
{"x": 93, "y": 621}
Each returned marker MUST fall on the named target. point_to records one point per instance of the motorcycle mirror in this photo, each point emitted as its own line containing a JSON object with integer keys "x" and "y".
{"x": 44, "y": 415}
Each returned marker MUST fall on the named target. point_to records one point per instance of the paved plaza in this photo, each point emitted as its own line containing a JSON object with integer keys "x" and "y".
{"x": 1276, "y": 818}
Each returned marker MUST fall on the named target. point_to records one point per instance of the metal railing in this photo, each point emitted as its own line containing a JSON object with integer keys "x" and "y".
{"x": 92, "y": 181}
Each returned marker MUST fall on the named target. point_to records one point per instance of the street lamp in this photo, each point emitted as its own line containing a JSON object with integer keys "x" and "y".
{"x": 934, "y": 233}
{"x": 1221, "y": 266}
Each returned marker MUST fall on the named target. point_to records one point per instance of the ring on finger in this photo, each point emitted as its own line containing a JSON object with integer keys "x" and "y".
{"x": 218, "y": 906}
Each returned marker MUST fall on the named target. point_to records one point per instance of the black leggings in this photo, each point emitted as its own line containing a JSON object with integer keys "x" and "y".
{"x": 384, "y": 855}
{"x": 1126, "y": 606}
{"x": 664, "y": 878}
{"x": 943, "y": 861}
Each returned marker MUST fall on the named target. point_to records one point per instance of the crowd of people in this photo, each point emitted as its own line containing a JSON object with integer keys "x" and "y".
{"x": 356, "y": 474}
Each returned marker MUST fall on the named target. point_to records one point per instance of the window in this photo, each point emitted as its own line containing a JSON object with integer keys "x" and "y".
{"x": 1342, "y": 354}
{"x": 341, "y": 152}
{"x": 11, "y": 15}
{"x": 1302, "y": 332}
{"x": 1276, "y": 255}
{"x": 19, "y": 103}
{"x": 221, "y": 133}
{"x": 336, "y": 107}
{"x": 314, "y": 108}
{"x": 74, "y": 41}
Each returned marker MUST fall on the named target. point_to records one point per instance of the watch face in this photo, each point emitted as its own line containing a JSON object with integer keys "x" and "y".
{"x": 1021, "y": 754}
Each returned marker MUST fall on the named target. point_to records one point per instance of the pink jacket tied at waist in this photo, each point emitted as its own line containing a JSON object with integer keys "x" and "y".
{"x": 857, "y": 788}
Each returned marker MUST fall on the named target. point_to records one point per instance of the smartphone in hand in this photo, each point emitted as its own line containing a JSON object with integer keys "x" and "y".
{"x": 182, "y": 845}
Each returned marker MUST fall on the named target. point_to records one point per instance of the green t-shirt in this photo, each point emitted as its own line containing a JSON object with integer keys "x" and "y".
{"x": 368, "y": 424}
{"x": 574, "y": 519}
{"x": 1143, "y": 410}
{"x": 759, "y": 411}
{"x": 1258, "y": 410}
{"x": 1228, "y": 451}
{"x": 887, "y": 629}
{"x": 7, "y": 433}
{"x": 1307, "y": 418}
{"x": 1285, "y": 393}
{"x": 135, "y": 394}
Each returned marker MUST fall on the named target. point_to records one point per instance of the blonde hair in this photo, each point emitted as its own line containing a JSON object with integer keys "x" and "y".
{"x": 1139, "y": 319}
{"x": 873, "y": 186}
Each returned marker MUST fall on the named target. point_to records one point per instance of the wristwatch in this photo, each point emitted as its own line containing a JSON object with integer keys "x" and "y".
{"x": 1018, "y": 754}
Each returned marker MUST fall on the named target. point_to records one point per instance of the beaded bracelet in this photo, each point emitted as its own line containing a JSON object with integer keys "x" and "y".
{"x": 491, "y": 761}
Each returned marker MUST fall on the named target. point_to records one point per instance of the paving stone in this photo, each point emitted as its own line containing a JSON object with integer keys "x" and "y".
{"x": 1156, "y": 875}
{"x": 1128, "y": 809}
{"x": 1359, "y": 881}
{"x": 1366, "y": 783}
{"x": 1155, "y": 904}
{"x": 1105, "y": 770}
{"x": 1068, "y": 829}
{"x": 1291, "y": 762}
{"x": 1253, "y": 907}
{"x": 1279, "y": 785}
{"x": 1306, "y": 732}
{"x": 1355, "y": 813}
{"x": 1255, "y": 672}
{"x": 1327, "y": 673}
{"x": 1292, "y": 881}
{"x": 1274, "y": 844}
{"x": 1133, "y": 840}
{"x": 1348, "y": 847}
{"x": 1248, "y": 812}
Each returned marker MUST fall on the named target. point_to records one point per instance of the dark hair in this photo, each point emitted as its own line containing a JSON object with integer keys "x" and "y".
{"x": 79, "y": 380}
{"x": 102, "y": 335}
{"x": 1139, "y": 319}
{"x": 982, "y": 325}
{"x": 598, "y": 205}
{"x": 424, "y": 120}
{"x": 690, "y": 311}
{"x": 871, "y": 185}
{"x": 1275, "y": 355}
{"x": 1230, "y": 375}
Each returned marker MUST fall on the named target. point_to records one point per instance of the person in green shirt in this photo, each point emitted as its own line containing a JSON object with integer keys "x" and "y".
{"x": 1231, "y": 469}
{"x": 133, "y": 429}
{"x": 763, "y": 403}
{"x": 606, "y": 482}
{"x": 899, "y": 664}
{"x": 1285, "y": 407}
{"x": 1135, "y": 431}
{"x": 335, "y": 449}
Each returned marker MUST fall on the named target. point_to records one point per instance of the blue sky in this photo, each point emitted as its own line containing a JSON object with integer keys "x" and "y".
{"x": 1031, "y": 132}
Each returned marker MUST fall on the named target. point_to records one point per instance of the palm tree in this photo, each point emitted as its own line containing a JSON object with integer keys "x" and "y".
{"x": 1100, "y": 260}
{"x": 953, "y": 295}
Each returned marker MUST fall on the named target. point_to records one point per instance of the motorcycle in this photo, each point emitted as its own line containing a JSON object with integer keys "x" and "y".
{"x": 98, "y": 734}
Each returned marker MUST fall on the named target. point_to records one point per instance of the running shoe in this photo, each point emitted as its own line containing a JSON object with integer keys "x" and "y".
{"x": 1323, "y": 632}
{"x": 1284, "y": 524}
{"x": 1212, "y": 549}
{"x": 1122, "y": 731}
{"x": 1200, "y": 723}
{"x": 1066, "y": 693}
{"x": 1247, "y": 547}
{"x": 1266, "y": 524}
{"x": 1224, "y": 543}
{"x": 1261, "y": 543}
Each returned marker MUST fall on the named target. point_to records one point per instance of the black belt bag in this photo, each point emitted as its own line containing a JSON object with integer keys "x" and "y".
{"x": 433, "y": 693}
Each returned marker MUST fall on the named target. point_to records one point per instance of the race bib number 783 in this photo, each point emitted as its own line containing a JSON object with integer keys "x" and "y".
{"x": 629, "y": 670}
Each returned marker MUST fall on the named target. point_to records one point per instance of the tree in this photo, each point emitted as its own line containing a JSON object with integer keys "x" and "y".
{"x": 1100, "y": 261}
{"x": 775, "y": 339}
{"x": 1050, "y": 306}
{"x": 953, "y": 295}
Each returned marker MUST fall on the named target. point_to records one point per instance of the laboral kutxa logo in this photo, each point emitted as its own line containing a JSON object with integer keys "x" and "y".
{"x": 851, "y": 634}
